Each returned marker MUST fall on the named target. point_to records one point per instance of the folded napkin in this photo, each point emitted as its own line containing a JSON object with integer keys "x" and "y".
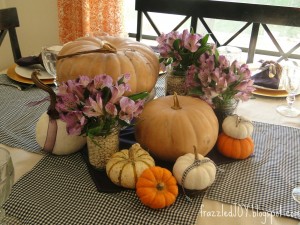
{"x": 30, "y": 60}
{"x": 269, "y": 76}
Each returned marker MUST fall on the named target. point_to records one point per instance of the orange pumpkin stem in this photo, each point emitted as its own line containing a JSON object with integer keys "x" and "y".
{"x": 176, "y": 105}
{"x": 107, "y": 48}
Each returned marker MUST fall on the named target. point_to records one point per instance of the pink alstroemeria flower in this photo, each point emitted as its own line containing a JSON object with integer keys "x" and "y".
{"x": 88, "y": 103}
{"x": 94, "y": 108}
{"x": 84, "y": 81}
{"x": 101, "y": 81}
{"x": 130, "y": 109}
{"x": 75, "y": 121}
{"x": 111, "y": 109}
{"x": 67, "y": 102}
{"x": 191, "y": 41}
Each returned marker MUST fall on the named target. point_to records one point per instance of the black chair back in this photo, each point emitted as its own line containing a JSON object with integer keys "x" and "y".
{"x": 9, "y": 20}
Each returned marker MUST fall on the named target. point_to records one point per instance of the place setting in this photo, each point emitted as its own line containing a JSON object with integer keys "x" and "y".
{"x": 19, "y": 73}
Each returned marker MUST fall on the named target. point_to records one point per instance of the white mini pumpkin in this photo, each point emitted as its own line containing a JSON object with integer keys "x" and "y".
{"x": 51, "y": 132}
{"x": 126, "y": 166}
{"x": 237, "y": 127}
{"x": 194, "y": 171}
{"x": 64, "y": 144}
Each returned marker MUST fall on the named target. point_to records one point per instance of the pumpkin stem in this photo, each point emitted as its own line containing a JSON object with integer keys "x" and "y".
{"x": 106, "y": 48}
{"x": 176, "y": 105}
{"x": 196, "y": 154}
{"x": 52, "y": 112}
{"x": 160, "y": 186}
{"x": 130, "y": 154}
{"x": 238, "y": 120}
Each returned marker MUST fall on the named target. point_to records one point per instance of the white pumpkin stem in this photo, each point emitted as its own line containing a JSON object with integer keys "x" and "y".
{"x": 52, "y": 112}
{"x": 240, "y": 119}
{"x": 130, "y": 154}
{"x": 176, "y": 105}
{"x": 196, "y": 154}
{"x": 107, "y": 48}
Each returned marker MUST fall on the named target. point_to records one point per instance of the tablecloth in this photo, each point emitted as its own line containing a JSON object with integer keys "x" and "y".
{"x": 220, "y": 183}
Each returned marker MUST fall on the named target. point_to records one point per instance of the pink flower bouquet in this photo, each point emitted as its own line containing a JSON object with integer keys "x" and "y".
{"x": 180, "y": 50}
{"x": 217, "y": 82}
{"x": 95, "y": 106}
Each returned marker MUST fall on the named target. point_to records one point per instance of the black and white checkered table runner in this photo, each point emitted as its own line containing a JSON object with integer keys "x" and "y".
{"x": 18, "y": 117}
{"x": 59, "y": 190}
{"x": 264, "y": 181}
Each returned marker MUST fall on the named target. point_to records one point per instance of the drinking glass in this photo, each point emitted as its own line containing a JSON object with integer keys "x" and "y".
{"x": 231, "y": 53}
{"x": 49, "y": 56}
{"x": 296, "y": 194}
{"x": 291, "y": 83}
{"x": 6, "y": 183}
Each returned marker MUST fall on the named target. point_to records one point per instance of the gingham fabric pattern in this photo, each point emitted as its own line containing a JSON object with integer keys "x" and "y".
{"x": 18, "y": 118}
{"x": 264, "y": 181}
{"x": 59, "y": 190}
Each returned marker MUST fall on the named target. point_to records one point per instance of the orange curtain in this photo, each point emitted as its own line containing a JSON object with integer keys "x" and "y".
{"x": 78, "y": 18}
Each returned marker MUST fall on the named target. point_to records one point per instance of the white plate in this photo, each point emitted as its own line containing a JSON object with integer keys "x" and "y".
{"x": 26, "y": 72}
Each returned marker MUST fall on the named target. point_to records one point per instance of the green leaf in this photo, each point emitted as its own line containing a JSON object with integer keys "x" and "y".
{"x": 161, "y": 59}
{"x": 121, "y": 80}
{"x": 138, "y": 96}
{"x": 169, "y": 61}
{"x": 195, "y": 91}
{"x": 123, "y": 123}
{"x": 192, "y": 30}
{"x": 106, "y": 95}
{"x": 176, "y": 44}
{"x": 204, "y": 40}
{"x": 96, "y": 131}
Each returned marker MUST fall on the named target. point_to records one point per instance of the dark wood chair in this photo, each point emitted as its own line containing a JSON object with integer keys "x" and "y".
{"x": 255, "y": 15}
{"x": 9, "y": 20}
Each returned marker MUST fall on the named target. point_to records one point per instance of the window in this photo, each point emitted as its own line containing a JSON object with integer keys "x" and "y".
{"x": 286, "y": 36}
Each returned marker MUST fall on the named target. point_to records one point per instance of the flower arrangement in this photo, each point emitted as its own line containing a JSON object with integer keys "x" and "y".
{"x": 217, "y": 82}
{"x": 181, "y": 50}
{"x": 94, "y": 106}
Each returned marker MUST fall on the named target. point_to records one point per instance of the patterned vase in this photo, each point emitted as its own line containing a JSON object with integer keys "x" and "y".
{"x": 175, "y": 82}
{"x": 101, "y": 148}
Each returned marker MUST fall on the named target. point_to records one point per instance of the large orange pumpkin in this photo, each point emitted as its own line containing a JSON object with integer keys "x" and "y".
{"x": 235, "y": 148}
{"x": 170, "y": 126}
{"x": 109, "y": 55}
{"x": 157, "y": 187}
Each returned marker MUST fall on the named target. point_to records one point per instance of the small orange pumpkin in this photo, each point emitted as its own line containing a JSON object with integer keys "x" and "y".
{"x": 235, "y": 148}
{"x": 157, "y": 187}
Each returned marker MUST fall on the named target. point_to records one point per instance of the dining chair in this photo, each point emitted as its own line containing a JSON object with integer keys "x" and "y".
{"x": 8, "y": 22}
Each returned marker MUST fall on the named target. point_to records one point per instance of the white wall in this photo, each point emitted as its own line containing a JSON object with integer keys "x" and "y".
{"x": 38, "y": 27}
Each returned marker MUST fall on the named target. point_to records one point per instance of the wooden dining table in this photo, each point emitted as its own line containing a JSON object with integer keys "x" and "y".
{"x": 260, "y": 108}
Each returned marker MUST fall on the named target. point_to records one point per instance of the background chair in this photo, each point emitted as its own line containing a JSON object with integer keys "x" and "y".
{"x": 8, "y": 22}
